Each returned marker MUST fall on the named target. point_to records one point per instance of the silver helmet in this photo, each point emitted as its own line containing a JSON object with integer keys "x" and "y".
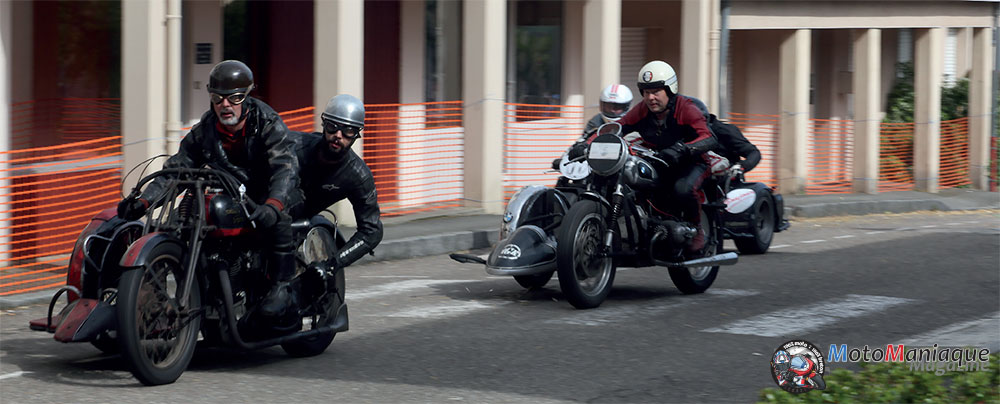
{"x": 345, "y": 109}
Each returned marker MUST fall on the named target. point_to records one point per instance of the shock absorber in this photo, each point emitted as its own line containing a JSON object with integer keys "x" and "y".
{"x": 186, "y": 206}
{"x": 616, "y": 210}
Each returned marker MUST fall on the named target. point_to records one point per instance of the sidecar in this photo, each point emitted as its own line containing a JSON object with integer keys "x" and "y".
{"x": 527, "y": 246}
{"x": 754, "y": 212}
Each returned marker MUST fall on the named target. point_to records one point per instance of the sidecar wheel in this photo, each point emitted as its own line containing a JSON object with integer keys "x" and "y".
{"x": 106, "y": 343}
{"x": 584, "y": 277}
{"x": 533, "y": 281}
{"x": 330, "y": 305}
{"x": 156, "y": 334}
{"x": 762, "y": 227}
{"x": 699, "y": 279}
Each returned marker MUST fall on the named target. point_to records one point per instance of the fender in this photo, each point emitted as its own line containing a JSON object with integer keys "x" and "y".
{"x": 138, "y": 252}
{"x": 595, "y": 197}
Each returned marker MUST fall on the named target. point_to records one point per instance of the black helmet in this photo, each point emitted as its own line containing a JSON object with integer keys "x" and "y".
{"x": 230, "y": 77}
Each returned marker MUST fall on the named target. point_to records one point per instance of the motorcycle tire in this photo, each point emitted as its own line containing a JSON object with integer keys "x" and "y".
{"x": 585, "y": 280}
{"x": 315, "y": 345}
{"x": 698, "y": 280}
{"x": 106, "y": 343}
{"x": 762, "y": 227}
{"x": 535, "y": 281}
{"x": 818, "y": 382}
{"x": 153, "y": 359}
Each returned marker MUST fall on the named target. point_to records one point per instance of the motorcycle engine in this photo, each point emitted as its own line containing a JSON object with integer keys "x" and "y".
{"x": 669, "y": 239}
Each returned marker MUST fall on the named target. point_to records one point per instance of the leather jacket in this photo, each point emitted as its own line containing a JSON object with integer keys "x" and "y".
{"x": 263, "y": 158}
{"x": 325, "y": 182}
{"x": 685, "y": 123}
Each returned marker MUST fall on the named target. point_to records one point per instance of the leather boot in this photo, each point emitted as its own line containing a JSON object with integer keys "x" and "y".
{"x": 283, "y": 300}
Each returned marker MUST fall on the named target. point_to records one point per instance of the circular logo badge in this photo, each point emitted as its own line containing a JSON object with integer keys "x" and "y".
{"x": 797, "y": 366}
{"x": 510, "y": 252}
{"x": 647, "y": 76}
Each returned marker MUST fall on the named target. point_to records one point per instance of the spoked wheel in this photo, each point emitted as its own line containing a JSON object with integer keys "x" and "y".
{"x": 586, "y": 272}
{"x": 533, "y": 281}
{"x": 157, "y": 332}
{"x": 762, "y": 227}
{"x": 699, "y": 279}
{"x": 325, "y": 313}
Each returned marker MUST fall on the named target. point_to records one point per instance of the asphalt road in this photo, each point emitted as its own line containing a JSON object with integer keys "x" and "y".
{"x": 433, "y": 330}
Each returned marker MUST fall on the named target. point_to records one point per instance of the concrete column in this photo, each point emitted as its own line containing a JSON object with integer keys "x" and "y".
{"x": 928, "y": 67}
{"x": 573, "y": 62}
{"x": 867, "y": 108}
{"x": 6, "y": 43}
{"x": 201, "y": 26}
{"x": 484, "y": 47}
{"x": 694, "y": 69}
{"x": 338, "y": 61}
{"x": 793, "y": 99}
{"x": 143, "y": 85}
{"x": 411, "y": 52}
{"x": 980, "y": 102}
{"x": 601, "y": 50}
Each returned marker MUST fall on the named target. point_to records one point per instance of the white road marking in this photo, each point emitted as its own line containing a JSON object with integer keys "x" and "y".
{"x": 19, "y": 373}
{"x": 775, "y": 247}
{"x": 443, "y": 310}
{"x": 928, "y": 226}
{"x": 811, "y": 317}
{"x": 811, "y": 241}
{"x": 845, "y": 236}
{"x": 393, "y": 276}
{"x": 397, "y": 287}
{"x": 983, "y": 333}
{"x": 904, "y": 228}
{"x": 953, "y": 224}
{"x": 608, "y": 315}
{"x": 875, "y": 232}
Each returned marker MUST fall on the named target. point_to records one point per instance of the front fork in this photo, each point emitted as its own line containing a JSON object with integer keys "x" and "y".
{"x": 616, "y": 209}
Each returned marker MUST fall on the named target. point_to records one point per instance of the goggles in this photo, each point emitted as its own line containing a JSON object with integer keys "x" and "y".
{"x": 235, "y": 99}
{"x": 347, "y": 131}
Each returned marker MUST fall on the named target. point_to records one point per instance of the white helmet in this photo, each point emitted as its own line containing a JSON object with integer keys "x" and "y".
{"x": 615, "y": 100}
{"x": 657, "y": 74}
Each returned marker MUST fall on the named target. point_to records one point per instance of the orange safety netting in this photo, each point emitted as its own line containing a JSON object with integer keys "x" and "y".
{"x": 534, "y": 135}
{"x": 831, "y": 156}
{"x": 762, "y": 131}
{"x": 896, "y": 157}
{"x": 994, "y": 163}
{"x": 954, "y": 154}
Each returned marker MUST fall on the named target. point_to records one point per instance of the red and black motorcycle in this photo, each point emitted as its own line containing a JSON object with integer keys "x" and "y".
{"x": 195, "y": 264}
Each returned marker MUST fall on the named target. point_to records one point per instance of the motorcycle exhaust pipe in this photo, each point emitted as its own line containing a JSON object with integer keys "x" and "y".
{"x": 728, "y": 258}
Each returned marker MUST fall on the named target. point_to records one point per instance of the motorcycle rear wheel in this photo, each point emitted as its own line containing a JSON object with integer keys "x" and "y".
{"x": 699, "y": 279}
{"x": 157, "y": 336}
{"x": 584, "y": 277}
{"x": 330, "y": 305}
{"x": 533, "y": 281}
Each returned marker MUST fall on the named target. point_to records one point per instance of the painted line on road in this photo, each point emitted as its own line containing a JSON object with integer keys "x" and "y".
{"x": 875, "y": 232}
{"x": 775, "y": 247}
{"x": 12, "y": 375}
{"x": 616, "y": 314}
{"x": 981, "y": 333}
{"x": 393, "y": 276}
{"x": 397, "y": 287}
{"x": 845, "y": 236}
{"x": 811, "y": 317}
{"x": 443, "y": 310}
{"x": 812, "y": 241}
{"x": 905, "y": 229}
{"x": 953, "y": 224}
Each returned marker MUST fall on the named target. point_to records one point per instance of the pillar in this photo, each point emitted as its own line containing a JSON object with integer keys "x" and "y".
{"x": 143, "y": 85}
{"x": 601, "y": 50}
{"x": 483, "y": 80}
{"x": 793, "y": 99}
{"x": 980, "y": 103}
{"x": 6, "y": 42}
{"x": 928, "y": 67}
{"x": 867, "y": 108}
{"x": 695, "y": 65}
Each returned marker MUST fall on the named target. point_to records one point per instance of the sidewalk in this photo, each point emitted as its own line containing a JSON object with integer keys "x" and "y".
{"x": 443, "y": 232}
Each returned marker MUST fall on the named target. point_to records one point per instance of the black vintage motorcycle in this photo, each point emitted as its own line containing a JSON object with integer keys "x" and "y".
{"x": 616, "y": 224}
{"x": 147, "y": 288}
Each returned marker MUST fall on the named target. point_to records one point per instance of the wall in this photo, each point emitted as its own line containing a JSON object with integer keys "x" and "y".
{"x": 754, "y": 71}
{"x": 202, "y": 23}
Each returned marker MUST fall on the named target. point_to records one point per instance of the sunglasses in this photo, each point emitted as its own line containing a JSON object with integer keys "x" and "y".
{"x": 235, "y": 99}
{"x": 346, "y": 131}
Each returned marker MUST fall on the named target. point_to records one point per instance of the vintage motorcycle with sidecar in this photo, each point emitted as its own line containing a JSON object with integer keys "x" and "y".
{"x": 147, "y": 288}
{"x": 601, "y": 218}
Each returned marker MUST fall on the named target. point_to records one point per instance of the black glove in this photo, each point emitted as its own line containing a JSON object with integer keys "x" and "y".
{"x": 577, "y": 150}
{"x": 265, "y": 217}
{"x": 673, "y": 154}
{"x": 132, "y": 208}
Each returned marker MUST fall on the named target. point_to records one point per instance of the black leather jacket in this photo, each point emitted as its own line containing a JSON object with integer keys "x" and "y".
{"x": 324, "y": 183}
{"x": 267, "y": 165}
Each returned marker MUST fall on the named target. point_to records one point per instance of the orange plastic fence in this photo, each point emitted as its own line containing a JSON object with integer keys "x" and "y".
{"x": 47, "y": 195}
{"x": 762, "y": 131}
{"x": 954, "y": 154}
{"x": 994, "y": 163}
{"x": 896, "y": 157}
{"x": 831, "y": 156}
{"x": 534, "y": 135}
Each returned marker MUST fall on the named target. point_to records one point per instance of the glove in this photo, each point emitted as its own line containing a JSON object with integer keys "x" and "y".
{"x": 265, "y": 217}
{"x": 132, "y": 208}
{"x": 735, "y": 169}
{"x": 577, "y": 150}
{"x": 673, "y": 154}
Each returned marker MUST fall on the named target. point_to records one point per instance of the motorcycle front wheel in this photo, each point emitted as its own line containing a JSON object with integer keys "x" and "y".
{"x": 699, "y": 279}
{"x": 586, "y": 273}
{"x": 156, "y": 332}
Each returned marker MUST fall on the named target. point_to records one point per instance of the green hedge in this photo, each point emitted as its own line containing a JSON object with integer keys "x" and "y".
{"x": 896, "y": 383}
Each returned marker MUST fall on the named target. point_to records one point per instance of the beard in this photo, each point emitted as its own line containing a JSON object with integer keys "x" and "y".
{"x": 231, "y": 121}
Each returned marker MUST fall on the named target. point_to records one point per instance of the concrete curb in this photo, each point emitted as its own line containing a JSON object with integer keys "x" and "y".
{"x": 436, "y": 244}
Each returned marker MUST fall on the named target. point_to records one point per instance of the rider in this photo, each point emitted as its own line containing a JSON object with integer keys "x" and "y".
{"x": 331, "y": 172}
{"x": 244, "y": 136}
{"x": 742, "y": 155}
{"x": 675, "y": 126}
{"x": 615, "y": 101}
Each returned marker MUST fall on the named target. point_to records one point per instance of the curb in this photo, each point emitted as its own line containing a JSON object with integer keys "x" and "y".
{"x": 872, "y": 207}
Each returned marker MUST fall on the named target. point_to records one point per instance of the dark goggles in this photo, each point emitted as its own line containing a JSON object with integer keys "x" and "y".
{"x": 235, "y": 99}
{"x": 347, "y": 131}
